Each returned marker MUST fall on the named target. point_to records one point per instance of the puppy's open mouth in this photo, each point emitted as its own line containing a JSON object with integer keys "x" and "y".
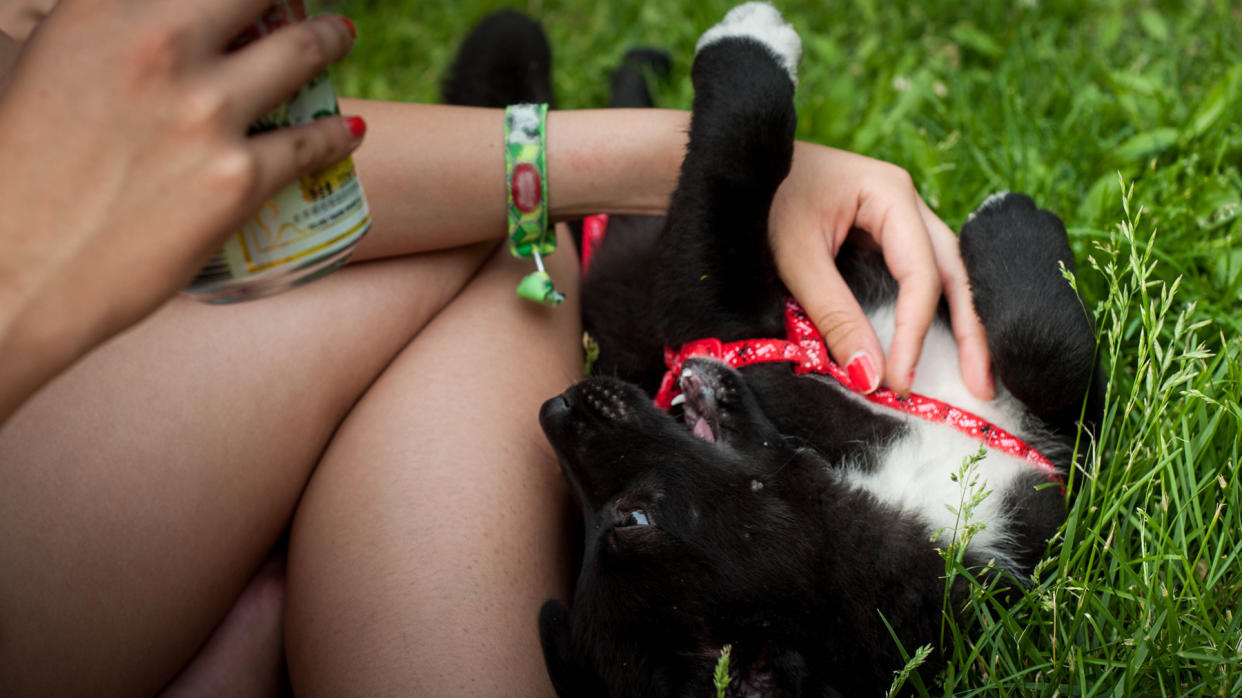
{"x": 700, "y": 400}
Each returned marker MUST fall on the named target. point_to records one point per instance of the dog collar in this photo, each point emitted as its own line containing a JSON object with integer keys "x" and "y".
{"x": 805, "y": 348}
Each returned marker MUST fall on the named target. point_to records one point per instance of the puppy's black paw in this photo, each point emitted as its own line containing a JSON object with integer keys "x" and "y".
{"x": 1009, "y": 229}
{"x": 761, "y": 23}
{"x": 1040, "y": 336}
{"x": 504, "y": 60}
{"x": 629, "y": 81}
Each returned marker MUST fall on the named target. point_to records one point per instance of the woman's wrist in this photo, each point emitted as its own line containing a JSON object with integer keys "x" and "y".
{"x": 434, "y": 174}
{"x": 621, "y": 161}
{"x": 35, "y": 343}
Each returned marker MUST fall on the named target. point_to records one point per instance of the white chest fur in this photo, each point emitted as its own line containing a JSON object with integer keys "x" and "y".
{"x": 916, "y": 472}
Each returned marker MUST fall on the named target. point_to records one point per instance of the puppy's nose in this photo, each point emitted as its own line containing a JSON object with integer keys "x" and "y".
{"x": 553, "y": 410}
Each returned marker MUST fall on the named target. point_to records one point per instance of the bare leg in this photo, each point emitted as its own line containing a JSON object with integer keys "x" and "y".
{"x": 140, "y": 490}
{"x": 244, "y": 657}
{"x": 435, "y": 526}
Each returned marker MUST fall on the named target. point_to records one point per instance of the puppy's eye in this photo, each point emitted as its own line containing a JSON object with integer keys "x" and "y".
{"x": 635, "y": 517}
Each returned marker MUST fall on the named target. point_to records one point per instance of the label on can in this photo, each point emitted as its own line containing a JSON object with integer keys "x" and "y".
{"x": 313, "y": 220}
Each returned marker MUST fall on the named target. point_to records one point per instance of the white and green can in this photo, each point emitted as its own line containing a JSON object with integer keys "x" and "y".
{"x": 309, "y": 228}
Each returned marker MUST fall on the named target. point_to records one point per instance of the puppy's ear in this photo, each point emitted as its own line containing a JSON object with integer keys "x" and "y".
{"x": 567, "y": 677}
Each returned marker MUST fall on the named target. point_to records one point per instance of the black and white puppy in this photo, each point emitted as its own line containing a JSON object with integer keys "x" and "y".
{"x": 779, "y": 513}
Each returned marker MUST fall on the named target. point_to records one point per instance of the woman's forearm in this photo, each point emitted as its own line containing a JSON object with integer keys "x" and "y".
{"x": 435, "y": 174}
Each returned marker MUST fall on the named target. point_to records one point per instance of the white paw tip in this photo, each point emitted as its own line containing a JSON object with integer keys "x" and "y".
{"x": 763, "y": 23}
{"x": 991, "y": 202}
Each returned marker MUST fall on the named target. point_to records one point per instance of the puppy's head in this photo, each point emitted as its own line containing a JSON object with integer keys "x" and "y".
{"x": 698, "y": 533}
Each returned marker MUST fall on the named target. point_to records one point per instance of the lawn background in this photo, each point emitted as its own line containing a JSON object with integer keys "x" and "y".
{"x": 1123, "y": 118}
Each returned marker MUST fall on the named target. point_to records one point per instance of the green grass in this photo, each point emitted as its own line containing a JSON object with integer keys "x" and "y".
{"x": 1123, "y": 118}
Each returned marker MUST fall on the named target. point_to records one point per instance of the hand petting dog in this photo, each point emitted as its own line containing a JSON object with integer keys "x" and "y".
{"x": 852, "y": 192}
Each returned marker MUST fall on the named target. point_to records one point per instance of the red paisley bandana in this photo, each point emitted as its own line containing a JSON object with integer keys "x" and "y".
{"x": 806, "y": 349}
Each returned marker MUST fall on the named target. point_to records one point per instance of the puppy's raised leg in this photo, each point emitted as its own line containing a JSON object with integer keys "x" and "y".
{"x": 716, "y": 274}
{"x": 504, "y": 60}
{"x": 1040, "y": 336}
{"x": 629, "y": 81}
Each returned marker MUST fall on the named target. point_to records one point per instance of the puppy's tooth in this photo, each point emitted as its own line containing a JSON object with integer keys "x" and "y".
{"x": 680, "y": 399}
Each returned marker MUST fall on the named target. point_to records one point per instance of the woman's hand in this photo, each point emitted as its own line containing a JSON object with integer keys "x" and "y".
{"x": 19, "y": 17}
{"x": 126, "y": 160}
{"x": 828, "y": 193}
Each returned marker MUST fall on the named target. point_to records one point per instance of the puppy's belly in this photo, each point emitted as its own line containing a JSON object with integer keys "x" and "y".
{"x": 918, "y": 473}
{"x": 938, "y": 374}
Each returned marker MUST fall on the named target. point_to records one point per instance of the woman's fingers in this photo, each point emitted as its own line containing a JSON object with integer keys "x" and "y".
{"x": 812, "y": 277}
{"x": 263, "y": 74}
{"x": 917, "y": 295}
{"x": 972, "y": 344}
{"x": 278, "y": 157}
{"x": 828, "y": 193}
{"x": 891, "y": 215}
{"x": 18, "y": 19}
{"x": 224, "y": 20}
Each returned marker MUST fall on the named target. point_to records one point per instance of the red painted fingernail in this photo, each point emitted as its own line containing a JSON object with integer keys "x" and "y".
{"x": 357, "y": 127}
{"x": 862, "y": 372}
{"x": 349, "y": 24}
